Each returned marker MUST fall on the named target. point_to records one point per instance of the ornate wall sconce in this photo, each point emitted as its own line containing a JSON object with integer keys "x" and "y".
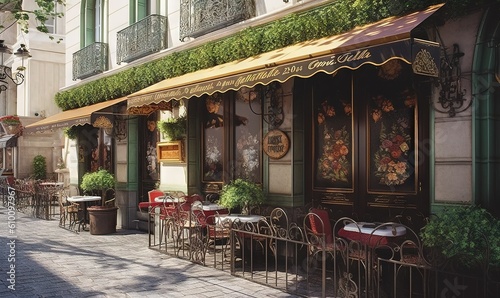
{"x": 6, "y": 72}
{"x": 120, "y": 128}
{"x": 273, "y": 95}
{"x": 451, "y": 95}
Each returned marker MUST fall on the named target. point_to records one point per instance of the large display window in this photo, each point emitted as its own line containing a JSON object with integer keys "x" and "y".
{"x": 232, "y": 136}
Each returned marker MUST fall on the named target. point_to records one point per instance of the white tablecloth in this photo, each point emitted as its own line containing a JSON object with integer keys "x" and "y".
{"x": 368, "y": 227}
{"x": 78, "y": 199}
{"x": 241, "y": 217}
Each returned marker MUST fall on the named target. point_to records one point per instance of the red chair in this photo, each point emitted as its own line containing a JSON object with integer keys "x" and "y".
{"x": 319, "y": 236}
{"x": 320, "y": 224}
{"x": 152, "y": 203}
{"x": 155, "y": 193}
{"x": 150, "y": 206}
{"x": 192, "y": 198}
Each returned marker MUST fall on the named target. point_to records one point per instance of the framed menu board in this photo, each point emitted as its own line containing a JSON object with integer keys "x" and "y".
{"x": 170, "y": 151}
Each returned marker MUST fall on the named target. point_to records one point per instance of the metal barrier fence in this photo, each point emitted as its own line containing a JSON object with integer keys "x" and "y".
{"x": 318, "y": 258}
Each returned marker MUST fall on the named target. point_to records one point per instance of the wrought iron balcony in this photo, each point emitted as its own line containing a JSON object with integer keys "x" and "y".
{"x": 145, "y": 37}
{"x": 91, "y": 60}
{"x": 199, "y": 17}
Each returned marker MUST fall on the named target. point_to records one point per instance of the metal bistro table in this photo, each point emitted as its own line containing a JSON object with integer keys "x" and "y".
{"x": 371, "y": 236}
{"x": 241, "y": 217}
{"x": 213, "y": 209}
{"x": 85, "y": 202}
{"x": 243, "y": 228}
{"x": 44, "y": 200}
{"x": 155, "y": 210}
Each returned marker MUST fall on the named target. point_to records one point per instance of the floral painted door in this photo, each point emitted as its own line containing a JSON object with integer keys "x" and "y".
{"x": 366, "y": 133}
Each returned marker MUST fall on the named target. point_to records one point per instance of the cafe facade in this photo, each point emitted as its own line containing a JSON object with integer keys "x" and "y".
{"x": 392, "y": 118}
{"x": 333, "y": 121}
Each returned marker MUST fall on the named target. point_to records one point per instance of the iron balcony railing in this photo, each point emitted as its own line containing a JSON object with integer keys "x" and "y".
{"x": 199, "y": 17}
{"x": 91, "y": 60}
{"x": 143, "y": 38}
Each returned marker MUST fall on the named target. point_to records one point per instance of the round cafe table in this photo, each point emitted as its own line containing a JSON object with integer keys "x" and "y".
{"x": 48, "y": 191}
{"x": 85, "y": 201}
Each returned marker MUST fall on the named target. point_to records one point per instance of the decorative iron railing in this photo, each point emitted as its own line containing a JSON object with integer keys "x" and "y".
{"x": 91, "y": 60}
{"x": 312, "y": 256}
{"x": 143, "y": 38}
{"x": 199, "y": 17}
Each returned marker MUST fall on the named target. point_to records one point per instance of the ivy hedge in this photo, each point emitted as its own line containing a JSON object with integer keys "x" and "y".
{"x": 331, "y": 19}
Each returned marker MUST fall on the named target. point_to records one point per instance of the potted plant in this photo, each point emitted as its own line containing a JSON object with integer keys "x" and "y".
{"x": 102, "y": 218}
{"x": 468, "y": 235}
{"x": 39, "y": 167}
{"x": 173, "y": 128}
{"x": 243, "y": 194}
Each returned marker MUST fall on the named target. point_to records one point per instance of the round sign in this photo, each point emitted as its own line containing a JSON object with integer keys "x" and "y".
{"x": 276, "y": 144}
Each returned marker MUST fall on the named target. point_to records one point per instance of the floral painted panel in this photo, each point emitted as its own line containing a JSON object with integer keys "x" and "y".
{"x": 392, "y": 142}
{"x": 333, "y": 152}
{"x": 248, "y": 135}
{"x": 213, "y": 139}
{"x": 151, "y": 134}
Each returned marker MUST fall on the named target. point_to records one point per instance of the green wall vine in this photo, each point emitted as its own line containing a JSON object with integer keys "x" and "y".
{"x": 334, "y": 18}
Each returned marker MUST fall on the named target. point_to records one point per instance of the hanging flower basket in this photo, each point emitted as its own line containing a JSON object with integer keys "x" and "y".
{"x": 10, "y": 124}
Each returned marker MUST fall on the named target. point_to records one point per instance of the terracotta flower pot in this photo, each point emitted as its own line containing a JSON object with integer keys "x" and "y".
{"x": 102, "y": 220}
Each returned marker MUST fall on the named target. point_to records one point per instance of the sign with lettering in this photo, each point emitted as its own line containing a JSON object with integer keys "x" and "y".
{"x": 276, "y": 144}
{"x": 305, "y": 68}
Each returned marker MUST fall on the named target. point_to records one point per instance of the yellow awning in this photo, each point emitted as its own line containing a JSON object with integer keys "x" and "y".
{"x": 80, "y": 116}
{"x": 374, "y": 43}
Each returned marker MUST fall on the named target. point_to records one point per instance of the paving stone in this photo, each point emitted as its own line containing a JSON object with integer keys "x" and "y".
{"x": 53, "y": 262}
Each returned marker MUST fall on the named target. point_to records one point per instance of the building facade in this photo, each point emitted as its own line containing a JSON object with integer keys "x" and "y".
{"x": 391, "y": 115}
{"x": 32, "y": 98}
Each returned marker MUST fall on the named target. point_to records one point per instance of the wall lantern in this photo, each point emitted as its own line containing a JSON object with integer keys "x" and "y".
{"x": 273, "y": 95}
{"x": 6, "y": 72}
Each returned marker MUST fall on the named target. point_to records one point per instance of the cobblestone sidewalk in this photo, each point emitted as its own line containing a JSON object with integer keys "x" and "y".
{"x": 39, "y": 259}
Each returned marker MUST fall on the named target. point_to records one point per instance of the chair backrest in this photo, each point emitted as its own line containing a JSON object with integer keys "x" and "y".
{"x": 155, "y": 193}
{"x": 193, "y": 198}
{"x": 197, "y": 214}
{"x": 320, "y": 224}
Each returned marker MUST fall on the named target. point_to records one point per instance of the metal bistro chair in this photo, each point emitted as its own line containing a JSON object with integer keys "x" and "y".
{"x": 184, "y": 224}
{"x": 217, "y": 233}
{"x": 69, "y": 214}
{"x": 151, "y": 206}
{"x": 319, "y": 233}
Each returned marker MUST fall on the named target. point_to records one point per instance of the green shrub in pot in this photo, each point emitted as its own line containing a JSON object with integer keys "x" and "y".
{"x": 468, "y": 234}
{"x": 241, "y": 193}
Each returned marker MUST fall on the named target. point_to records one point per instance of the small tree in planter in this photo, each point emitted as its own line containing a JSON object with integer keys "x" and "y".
{"x": 39, "y": 167}
{"x": 102, "y": 218}
{"x": 241, "y": 193}
{"x": 99, "y": 182}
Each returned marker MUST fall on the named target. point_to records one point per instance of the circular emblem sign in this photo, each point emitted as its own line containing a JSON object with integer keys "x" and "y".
{"x": 276, "y": 144}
